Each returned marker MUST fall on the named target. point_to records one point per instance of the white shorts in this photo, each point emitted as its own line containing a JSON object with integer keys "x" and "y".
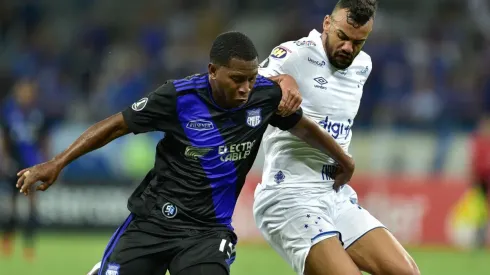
{"x": 292, "y": 220}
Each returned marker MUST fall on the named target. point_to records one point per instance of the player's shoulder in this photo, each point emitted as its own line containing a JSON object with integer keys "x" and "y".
{"x": 362, "y": 64}
{"x": 266, "y": 88}
{"x": 265, "y": 83}
{"x": 189, "y": 83}
{"x": 297, "y": 48}
{"x": 363, "y": 58}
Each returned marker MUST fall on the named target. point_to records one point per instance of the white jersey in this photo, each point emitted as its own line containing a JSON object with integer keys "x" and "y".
{"x": 331, "y": 97}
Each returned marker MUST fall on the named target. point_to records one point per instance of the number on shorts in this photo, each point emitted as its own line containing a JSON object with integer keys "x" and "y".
{"x": 227, "y": 247}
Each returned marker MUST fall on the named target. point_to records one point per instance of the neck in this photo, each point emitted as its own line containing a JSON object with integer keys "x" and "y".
{"x": 219, "y": 100}
{"x": 324, "y": 40}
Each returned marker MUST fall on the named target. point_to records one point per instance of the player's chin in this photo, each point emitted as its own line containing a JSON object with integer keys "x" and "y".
{"x": 241, "y": 101}
{"x": 342, "y": 63}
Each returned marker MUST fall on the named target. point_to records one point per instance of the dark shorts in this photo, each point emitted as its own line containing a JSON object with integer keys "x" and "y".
{"x": 142, "y": 247}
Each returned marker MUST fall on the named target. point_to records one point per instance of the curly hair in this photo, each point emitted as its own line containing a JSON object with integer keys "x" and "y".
{"x": 359, "y": 11}
{"x": 230, "y": 45}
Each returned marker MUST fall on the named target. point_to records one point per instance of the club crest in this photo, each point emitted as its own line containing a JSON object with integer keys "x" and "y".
{"x": 254, "y": 118}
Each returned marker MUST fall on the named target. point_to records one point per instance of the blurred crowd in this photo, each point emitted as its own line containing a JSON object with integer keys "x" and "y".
{"x": 88, "y": 59}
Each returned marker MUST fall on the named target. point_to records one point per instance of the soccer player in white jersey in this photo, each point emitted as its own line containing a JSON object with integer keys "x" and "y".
{"x": 313, "y": 224}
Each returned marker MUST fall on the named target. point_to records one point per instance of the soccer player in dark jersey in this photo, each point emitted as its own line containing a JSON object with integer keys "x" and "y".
{"x": 22, "y": 132}
{"x": 181, "y": 213}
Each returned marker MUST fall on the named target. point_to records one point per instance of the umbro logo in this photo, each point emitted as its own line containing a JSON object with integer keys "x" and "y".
{"x": 321, "y": 81}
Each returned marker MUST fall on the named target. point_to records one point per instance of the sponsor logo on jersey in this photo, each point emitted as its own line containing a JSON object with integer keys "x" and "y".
{"x": 200, "y": 125}
{"x": 321, "y": 83}
{"x": 279, "y": 177}
{"x": 195, "y": 153}
{"x": 279, "y": 52}
{"x": 336, "y": 129}
{"x": 169, "y": 210}
{"x": 235, "y": 151}
{"x": 306, "y": 43}
{"x": 112, "y": 269}
{"x": 140, "y": 104}
{"x": 363, "y": 71}
{"x": 316, "y": 62}
{"x": 342, "y": 72}
{"x": 254, "y": 118}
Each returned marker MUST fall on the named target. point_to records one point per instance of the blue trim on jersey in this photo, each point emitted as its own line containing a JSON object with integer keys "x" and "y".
{"x": 230, "y": 260}
{"x": 222, "y": 176}
{"x": 191, "y": 86}
{"x": 180, "y": 83}
{"x": 263, "y": 81}
{"x": 200, "y": 82}
{"x": 113, "y": 242}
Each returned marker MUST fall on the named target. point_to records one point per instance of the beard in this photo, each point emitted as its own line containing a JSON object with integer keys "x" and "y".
{"x": 339, "y": 59}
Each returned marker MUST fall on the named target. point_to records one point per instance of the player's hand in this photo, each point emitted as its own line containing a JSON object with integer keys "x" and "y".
{"x": 46, "y": 173}
{"x": 343, "y": 175}
{"x": 291, "y": 97}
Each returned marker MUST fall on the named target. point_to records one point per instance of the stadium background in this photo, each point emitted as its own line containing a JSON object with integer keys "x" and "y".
{"x": 426, "y": 96}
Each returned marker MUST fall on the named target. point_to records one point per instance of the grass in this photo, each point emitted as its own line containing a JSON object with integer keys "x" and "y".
{"x": 61, "y": 254}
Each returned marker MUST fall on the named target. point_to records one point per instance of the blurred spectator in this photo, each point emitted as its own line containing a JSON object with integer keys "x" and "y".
{"x": 24, "y": 144}
{"x": 481, "y": 169}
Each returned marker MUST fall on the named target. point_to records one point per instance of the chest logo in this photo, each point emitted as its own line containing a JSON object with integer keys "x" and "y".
{"x": 254, "y": 118}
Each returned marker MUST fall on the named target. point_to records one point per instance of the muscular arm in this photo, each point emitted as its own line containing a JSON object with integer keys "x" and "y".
{"x": 291, "y": 97}
{"x": 93, "y": 138}
{"x": 151, "y": 113}
{"x": 307, "y": 130}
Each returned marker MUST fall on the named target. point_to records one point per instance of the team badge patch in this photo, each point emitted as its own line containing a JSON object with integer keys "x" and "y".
{"x": 254, "y": 118}
{"x": 279, "y": 177}
{"x": 112, "y": 269}
{"x": 279, "y": 52}
{"x": 169, "y": 210}
{"x": 140, "y": 104}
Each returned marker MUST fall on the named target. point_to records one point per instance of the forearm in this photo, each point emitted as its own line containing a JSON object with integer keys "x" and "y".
{"x": 93, "y": 138}
{"x": 278, "y": 78}
{"x": 311, "y": 133}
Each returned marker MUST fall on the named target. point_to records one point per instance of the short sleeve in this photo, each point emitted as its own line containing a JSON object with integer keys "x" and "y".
{"x": 286, "y": 123}
{"x": 154, "y": 112}
{"x": 282, "y": 60}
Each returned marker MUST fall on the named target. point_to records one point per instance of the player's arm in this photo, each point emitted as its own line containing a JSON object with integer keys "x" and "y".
{"x": 149, "y": 114}
{"x": 291, "y": 97}
{"x": 311, "y": 133}
{"x": 279, "y": 66}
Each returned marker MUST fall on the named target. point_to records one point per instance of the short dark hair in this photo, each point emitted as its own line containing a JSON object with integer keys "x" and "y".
{"x": 230, "y": 45}
{"x": 359, "y": 11}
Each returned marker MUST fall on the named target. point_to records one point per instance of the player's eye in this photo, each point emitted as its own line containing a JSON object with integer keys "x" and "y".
{"x": 251, "y": 79}
{"x": 342, "y": 36}
{"x": 237, "y": 79}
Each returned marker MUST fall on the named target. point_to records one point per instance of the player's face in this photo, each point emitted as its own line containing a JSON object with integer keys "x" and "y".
{"x": 25, "y": 93}
{"x": 234, "y": 82}
{"x": 344, "y": 41}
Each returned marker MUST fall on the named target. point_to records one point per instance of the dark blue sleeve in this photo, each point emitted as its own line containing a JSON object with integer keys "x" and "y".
{"x": 286, "y": 123}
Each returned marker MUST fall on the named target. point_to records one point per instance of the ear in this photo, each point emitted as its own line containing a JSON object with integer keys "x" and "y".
{"x": 212, "y": 69}
{"x": 326, "y": 23}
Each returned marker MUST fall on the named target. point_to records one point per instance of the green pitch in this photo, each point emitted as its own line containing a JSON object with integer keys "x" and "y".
{"x": 61, "y": 254}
